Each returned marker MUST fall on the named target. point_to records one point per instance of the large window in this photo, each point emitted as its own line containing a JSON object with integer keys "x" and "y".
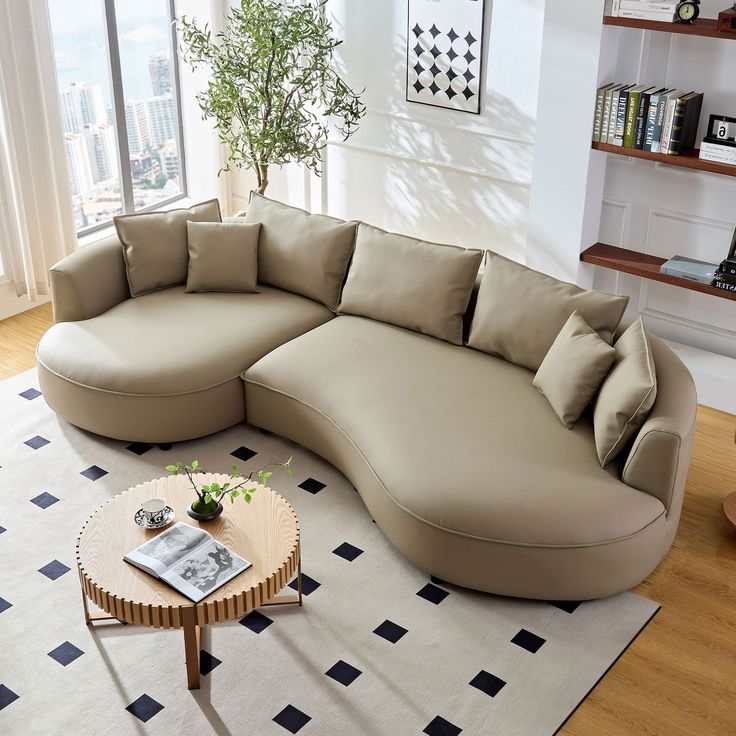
{"x": 119, "y": 93}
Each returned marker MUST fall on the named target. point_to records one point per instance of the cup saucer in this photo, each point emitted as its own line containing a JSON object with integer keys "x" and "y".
{"x": 140, "y": 519}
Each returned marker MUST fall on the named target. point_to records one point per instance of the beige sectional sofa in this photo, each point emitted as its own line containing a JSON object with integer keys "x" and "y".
{"x": 461, "y": 462}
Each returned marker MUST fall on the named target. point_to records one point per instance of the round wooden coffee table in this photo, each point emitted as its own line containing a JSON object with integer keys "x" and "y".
{"x": 264, "y": 532}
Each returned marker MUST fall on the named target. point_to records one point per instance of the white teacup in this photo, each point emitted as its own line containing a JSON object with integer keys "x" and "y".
{"x": 153, "y": 510}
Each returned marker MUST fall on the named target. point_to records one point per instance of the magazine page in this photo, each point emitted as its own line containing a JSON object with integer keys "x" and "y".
{"x": 163, "y": 551}
{"x": 206, "y": 569}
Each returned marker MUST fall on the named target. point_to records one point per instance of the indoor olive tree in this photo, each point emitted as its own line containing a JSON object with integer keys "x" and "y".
{"x": 273, "y": 89}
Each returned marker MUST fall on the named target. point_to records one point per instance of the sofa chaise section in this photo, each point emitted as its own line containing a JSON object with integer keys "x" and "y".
{"x": 467, "y": 470}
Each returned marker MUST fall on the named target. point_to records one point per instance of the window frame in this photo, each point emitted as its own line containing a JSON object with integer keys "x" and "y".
{"x": 121, "y": 129}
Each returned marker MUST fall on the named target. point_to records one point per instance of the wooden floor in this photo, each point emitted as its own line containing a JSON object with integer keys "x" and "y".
{"x": 679, "y": 677}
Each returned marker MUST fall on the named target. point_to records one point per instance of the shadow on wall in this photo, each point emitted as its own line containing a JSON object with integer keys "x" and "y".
{"x": 433, "y": 173}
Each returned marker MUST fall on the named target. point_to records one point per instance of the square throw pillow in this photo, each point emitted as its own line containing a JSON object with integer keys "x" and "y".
{"x": 520, "y": 312}
{"x": 302, "y": 253}
{"x": 222, "y": 256}
{"x": 573, "y": 369}
{"x": 410, "y": 283}
{"x": 627, "y": 395}
{"x": 155, "y": 245}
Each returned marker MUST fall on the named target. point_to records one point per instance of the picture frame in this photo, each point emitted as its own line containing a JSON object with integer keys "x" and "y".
{"x": 445, "y": 53}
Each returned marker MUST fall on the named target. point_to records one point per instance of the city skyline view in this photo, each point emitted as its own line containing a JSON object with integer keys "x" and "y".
{"x": 86, "y": 101}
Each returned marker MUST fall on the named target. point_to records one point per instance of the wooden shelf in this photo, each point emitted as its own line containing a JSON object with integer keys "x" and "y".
{"x": 688, "y": 160}
{"x": 644, "y": 265}
{"x": 702, "y": 27}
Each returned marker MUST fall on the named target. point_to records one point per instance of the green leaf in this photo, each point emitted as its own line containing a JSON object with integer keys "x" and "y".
{"x": 234, "y": 494}
{"x": 248, "y": 498}
{"x": 205, "y": 488}
{"x": 171, "y": 468}
{"x": 232, "y": 499}
{"x": 214, "y": 486}
{"x": 207, "y": 498}
{"x": 225, "y": 486}
{"x": 195, "y": 464}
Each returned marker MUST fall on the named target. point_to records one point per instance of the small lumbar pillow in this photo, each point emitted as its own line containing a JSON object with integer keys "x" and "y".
{"x": 573, "y": 369}
{"x": 155, "y": 245}
{"x": 222, "y": 256}
{"x": 627, "y": 395}
{"x": 410, "y": 283}
{"x": 302, "y": 253}
{"x": 520, "y": 312}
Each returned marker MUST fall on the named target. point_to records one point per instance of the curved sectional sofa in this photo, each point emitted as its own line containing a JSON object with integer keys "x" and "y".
{"x": 460, "y": 461}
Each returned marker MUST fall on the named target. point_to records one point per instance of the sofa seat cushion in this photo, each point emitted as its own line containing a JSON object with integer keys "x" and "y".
{"x": 169, "y": 342}
{"x": 459, "y": 439}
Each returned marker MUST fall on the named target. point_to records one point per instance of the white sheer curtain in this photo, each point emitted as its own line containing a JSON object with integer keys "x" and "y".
{"x": 36, "y": 218}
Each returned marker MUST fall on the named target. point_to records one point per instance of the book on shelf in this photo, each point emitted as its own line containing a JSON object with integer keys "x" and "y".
{"x": 688, "y": 268}
{"x": 669, "y": 118}
{"x": 642, "y": 116}
{"x": 632, "y": 110}
{"x": 685, "y": 123}
{"x": 659, "y": 120}
{"x": 623, "y": 106}
{"x": 612, "y": 112}
{"x": 600, "y": 101}
{"x": 664, "y": 12}
{"x": 717, "y": 150}
{"x": 726, "y": 278}
{"x": 719, "y": 283}
{"x": 189, "y": 560}
{"x": 652, "y": 118}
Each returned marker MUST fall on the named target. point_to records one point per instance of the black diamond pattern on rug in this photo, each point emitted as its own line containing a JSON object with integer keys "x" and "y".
{"x": 2, "y": 529}
{"x": 256, "y": 622}
{"x": 470, "y": 39}
{"x": 309, "y": 585}
{"x": 418, "y": 50}
{"x": 144, "y": 708}
{"x": 435, "y": 31}
{"x": 343, "y": 672}
{"x": 440, "y": 727}
{"x": 417, "y": 30}
{"x": 94, "y": 472}
{"x": 65, "y": 653}
{"x": 566, "y": 606}
{"x": 469, "y": 56}
{"x": 139, "y": 448}
{"x": 44, "y": 500}
{"x": 526, "y": 640}
{"x": 7, "y": 696}
{"x": 468, "y": 93}
{"x": 452, "y": 35}
{"x": 54, "y": 570}
{"x": 390, "y": 631}
{"x": 432, "y": 593}
{"x": 30, "y": 393}
{"x": 207, "y": 662}
{"x": 244, "y": 453}
{"x": 347, "y": 551}
{"x": 311, "y": 485}
{"x": 452, "y": 54}
{"x": 36, "y": 442}
{"x": 292, "y": 719}
{"x": 418, "y": 86}
{"x": 488, "y": 683}
{"x": 4, "y": 605}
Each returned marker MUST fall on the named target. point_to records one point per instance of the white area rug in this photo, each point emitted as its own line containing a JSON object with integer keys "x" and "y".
{"x": 448, "y": 661}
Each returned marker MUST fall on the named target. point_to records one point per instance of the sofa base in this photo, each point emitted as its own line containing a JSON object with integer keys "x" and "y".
{"x": 144, "y": 418}
{"x": 517, "y": 570}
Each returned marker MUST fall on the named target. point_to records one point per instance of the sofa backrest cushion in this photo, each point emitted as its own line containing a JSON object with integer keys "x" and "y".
{"x": 520, "y": 312}
{"x": 302, "y": 253}
{"x": 223, "y": 256}
{"x": 410, "y": 283}
{"x": 155, "y": 245}
{"x": 627, "y": 395}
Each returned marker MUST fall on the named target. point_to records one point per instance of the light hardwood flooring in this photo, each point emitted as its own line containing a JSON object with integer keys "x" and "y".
{"x": 679, "y": 677}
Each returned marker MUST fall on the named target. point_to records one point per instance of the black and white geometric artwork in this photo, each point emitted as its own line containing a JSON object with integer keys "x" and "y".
{"x": 444, "y": 53}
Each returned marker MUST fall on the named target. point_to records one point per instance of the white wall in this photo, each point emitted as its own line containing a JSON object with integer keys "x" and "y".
{"x": 666, "y": 211}
{"x": 438, "y": 174}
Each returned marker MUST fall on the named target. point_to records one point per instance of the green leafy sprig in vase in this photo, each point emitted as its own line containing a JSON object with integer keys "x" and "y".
{"x": 208, "y": 504}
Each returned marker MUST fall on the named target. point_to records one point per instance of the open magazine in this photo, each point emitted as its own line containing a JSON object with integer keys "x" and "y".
{"x": 189, "y": 560}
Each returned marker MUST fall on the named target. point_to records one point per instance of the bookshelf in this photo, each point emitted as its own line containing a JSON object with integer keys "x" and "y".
{"x": 707, "y": 27}
{"x": 644, "y": 265}
{"x": 687, "y": 160}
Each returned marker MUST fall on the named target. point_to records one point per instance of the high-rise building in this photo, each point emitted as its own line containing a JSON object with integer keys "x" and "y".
{"x": 82, "y": 104}
{"x": 169, "y": 160}
{"x": 161, "y": 118}
{"x": 139, "y": 134}
{"x": 102, "y": 151}
{"x": 77, "y": 163}
{"x": 159, "y": 67}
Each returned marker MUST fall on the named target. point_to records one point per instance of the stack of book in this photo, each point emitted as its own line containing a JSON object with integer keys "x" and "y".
{"x": 647, "y": 117}
{"x": 645, "y": 10}
{"x": 725, "y": 277}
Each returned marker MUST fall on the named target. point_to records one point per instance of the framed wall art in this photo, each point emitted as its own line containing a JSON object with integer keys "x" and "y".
{"x": 444, "y": 53}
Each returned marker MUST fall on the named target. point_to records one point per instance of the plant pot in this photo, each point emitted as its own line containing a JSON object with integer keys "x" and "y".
{"x": 200, "y": 512}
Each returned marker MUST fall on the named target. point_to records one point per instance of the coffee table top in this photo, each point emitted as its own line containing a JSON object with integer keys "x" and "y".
{"x": 264, "y": 532}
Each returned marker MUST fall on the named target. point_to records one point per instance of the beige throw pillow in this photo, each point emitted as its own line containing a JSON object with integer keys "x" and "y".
{"x": 520, "y": 312}
{"x": 302, "y": 253}
{"x": 222, "y": 256}
{"x": 155, "y": 245}
{"x": 410, "y": 283}
{"x": 627, "y": 395}
{"x": 573, "y": 369}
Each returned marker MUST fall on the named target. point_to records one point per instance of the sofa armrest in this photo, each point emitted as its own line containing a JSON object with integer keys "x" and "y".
{"x": 660, "y": 456}
{"x": 89, "y": 281}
